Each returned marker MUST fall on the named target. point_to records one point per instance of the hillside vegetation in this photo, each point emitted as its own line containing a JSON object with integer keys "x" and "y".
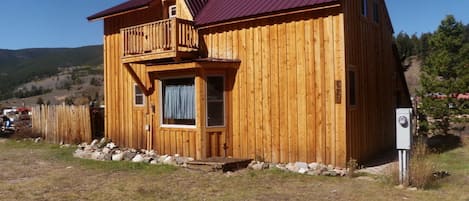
{"x": 18, "y": 67}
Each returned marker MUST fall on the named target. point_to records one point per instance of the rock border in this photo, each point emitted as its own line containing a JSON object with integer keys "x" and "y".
{"x": 108, "y": 151}
{"x": 104, "y": 150}
{"x": 316, "y": 169}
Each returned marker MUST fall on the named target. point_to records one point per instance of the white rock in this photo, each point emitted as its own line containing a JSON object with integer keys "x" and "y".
{"x": 252, "y": 163}
{"x": 176, "y": 155}
{"x": 97, "y": 155}
{"x": 106, "y": 150}
{"x": 154, "y": 162}
{"x": 37, "y": 140}
{"x": 300, "y": 165}
{"x": 313, "y": 166}
{"x": 103, "y": 140}
{"x": 168, "y": 160}
{"x": 138, "y": 158}
{"x": 190, "y": 159}
{"x": 118, "y": 156}
{"x": 280, "y": 166}
{"x": 258, "y": 166}
{"x": 94, "y": 142}
{"x": 302, "y": 170}
{"x": 180, "y": 160}
{"x": 147, "y": 159}
{"x": 111, "y": 145}
{"x": 78, "y": 153}
{"x": 88, "y": 148}
{"x": 162, "y": 158}
{"x": 330, "y": 167}
{"x": 291, "y": 167}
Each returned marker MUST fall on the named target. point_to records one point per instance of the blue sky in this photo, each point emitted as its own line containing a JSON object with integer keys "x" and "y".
{"x": 62, "y": 23}
{"x": 421, "y": 16}
{"x": 50, "y": 23}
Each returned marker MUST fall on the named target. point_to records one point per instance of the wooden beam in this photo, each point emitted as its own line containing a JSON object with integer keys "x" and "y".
{"x": 139, "y": 82}
{"x": 193, "y": 65}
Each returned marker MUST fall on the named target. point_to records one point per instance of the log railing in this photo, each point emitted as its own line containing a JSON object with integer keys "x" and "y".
{"x": 160, "y": 36}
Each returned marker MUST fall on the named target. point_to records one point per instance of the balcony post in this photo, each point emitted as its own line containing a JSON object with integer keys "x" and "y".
{"x": 174, "y": 35}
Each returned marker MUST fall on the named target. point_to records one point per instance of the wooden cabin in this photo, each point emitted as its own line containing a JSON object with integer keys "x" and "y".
{"x": 272, "y": 80}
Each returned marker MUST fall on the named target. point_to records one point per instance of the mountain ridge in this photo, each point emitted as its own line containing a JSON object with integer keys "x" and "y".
{"x": 24, "y": 65}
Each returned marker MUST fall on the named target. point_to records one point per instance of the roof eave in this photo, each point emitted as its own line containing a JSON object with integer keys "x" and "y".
{"x": 93, "y": 19}
{"x": 331, "y": 5}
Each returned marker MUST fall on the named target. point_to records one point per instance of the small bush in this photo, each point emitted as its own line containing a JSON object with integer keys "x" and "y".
{"x": 352, "y": 166}
{"x": 421, "y": 167}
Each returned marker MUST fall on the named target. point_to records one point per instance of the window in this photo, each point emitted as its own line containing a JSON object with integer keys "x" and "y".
{"x": 139, "y": 99}
{"x": 352, "y": 91}
{"x": 365, "y": 7}
{"x": 178, "y": 101}
{"x": 215, "y": 101}
{"x": 172, "y": 11}
{"x": 376, "y": 11}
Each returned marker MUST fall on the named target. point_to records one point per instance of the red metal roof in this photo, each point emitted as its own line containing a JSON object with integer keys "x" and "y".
{"x": 195, "y": 6}
{"x": 126, "y": 6}
{"x": 216, "y": 11}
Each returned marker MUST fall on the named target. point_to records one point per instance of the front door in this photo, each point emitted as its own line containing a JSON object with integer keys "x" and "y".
{"x": 216, "y": 122}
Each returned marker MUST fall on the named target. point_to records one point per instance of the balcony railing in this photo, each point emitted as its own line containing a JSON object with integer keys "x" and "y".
{"x": 161, "y": 39}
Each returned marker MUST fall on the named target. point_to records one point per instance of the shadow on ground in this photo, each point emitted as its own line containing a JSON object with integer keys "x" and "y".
{"x": 443, "y": 143}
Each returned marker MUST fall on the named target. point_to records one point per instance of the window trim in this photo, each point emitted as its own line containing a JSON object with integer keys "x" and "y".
{"x": 376, "y": 14}
{"x": 353, "y": 69}
{"x": 135, "y": 96}
{"x": 170, "y": 8}
{"x": 224, "y": 100}
{"x": 162, "y": 124}
{"x": 364, "y": 8}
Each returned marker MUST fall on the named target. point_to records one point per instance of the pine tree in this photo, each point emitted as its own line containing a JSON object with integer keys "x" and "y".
{"x": 40, "y": 101}
{"x": 405, "y": 45}
{"x": 445, "y": 74}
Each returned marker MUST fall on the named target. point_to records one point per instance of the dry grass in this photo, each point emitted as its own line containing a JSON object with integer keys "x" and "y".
{"x": 45, "y": 172}
{"x": 352, "y": 166}
{"x": 421, "y": 166}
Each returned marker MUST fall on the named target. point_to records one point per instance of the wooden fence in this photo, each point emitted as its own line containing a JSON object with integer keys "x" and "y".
{"x": 62, "y": 123}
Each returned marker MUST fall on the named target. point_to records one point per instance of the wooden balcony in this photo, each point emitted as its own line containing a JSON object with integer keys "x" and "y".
{"x": 171, "y": 38}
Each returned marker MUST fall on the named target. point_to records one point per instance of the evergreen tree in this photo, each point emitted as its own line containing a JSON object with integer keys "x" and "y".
{"x": 404, "y": 45}
{"x": 39, "y": 101}
{"x": 417, "y": 45}
{"x": 445, "y": 71}
{"x": 424, "y": 44}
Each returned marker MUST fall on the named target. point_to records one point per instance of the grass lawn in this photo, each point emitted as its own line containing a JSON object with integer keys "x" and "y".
{"x": 31, "y": 171}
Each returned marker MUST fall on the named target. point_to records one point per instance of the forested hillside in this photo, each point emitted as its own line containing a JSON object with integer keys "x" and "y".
{"x": 21, "y": 66}
{"x": 415, "y": 49}
{"x": 418, "y": 45}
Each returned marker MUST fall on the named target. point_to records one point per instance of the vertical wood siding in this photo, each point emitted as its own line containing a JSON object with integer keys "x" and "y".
{"x": 62, "y": 123}
{"x": 284, "y": 106}
{"x": 370, "y": 124}
{"x": 125, "y": 123}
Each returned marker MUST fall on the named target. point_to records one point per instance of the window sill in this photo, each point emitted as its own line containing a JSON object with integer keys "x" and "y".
{"x": 178, "y": 126}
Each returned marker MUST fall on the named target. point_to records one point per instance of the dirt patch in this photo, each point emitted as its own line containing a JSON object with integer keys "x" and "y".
{"x": 46, "y": 172}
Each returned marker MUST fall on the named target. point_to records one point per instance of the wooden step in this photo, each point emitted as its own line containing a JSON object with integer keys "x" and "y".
{"x": 219, "y": 164}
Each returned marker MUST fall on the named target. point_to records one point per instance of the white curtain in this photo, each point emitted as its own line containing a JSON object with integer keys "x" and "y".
{"x": 179, "y": 102}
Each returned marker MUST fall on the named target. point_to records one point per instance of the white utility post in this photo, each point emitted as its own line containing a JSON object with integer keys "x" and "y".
{"x": 404, "y": 141}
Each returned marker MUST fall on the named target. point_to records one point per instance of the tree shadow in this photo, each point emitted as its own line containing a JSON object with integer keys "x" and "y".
{"x": 443, "y": 143}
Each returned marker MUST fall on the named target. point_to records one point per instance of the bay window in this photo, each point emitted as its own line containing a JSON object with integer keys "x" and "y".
{"x": 178, "y": 101}
{"x": 215, "y": 101}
